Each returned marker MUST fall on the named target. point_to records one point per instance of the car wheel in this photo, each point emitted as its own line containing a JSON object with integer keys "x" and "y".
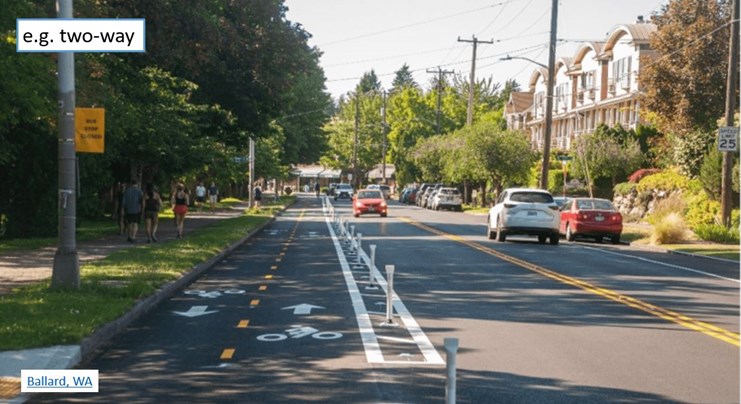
{"x": 569, "y": 234}
{"x": 598, "y": 239}
{"x": 555, "y": 238}
{"x": 542, "y": 239}
{"x": 490, "y": 234}
{"x": 615, "y": 239}
{"x": 383, "y": 214}
{"x": 357, "y": 215}
{"x": 501, "y": 236}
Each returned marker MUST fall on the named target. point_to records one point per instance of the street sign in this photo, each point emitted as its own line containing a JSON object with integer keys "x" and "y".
{"x": 728, "y": 139}
{"x": 89, "y": 130}
{"x": 564, "y": 158}
{"x": 241, "y": 159}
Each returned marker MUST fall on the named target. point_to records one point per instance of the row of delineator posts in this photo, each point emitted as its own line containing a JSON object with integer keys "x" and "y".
{"x": 346, "y": 232}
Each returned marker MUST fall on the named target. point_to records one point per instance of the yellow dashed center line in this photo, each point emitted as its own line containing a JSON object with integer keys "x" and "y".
{"x": 255, "y": 302}
{"x": 243, "y": 324}
{"x": 274, "y": 267}
{"x": 227, "y": 353}
{"x": 677, "y": 318}
{"x": 268, "y": 276}
{"x": 263, "y": 288}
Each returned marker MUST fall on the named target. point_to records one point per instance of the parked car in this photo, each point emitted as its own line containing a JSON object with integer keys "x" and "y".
{"x": 447, "y": 198}
{"x": 343, "y": 191}
{"x": 524, "y": 211}
{"x": 369, "y": 201}
{"x": 412, "y": 197}
{"x": 591, "y": 217}
{"x": 429, "y": 194}
{"x": 560, "y": 200}
{"x": 386, "y": 190}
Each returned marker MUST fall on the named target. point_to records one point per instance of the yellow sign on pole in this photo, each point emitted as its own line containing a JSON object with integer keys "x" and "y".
{"x": 89, "y": 130}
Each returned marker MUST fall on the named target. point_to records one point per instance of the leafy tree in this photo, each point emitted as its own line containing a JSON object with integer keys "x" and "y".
{"x": 689, "y": 151}
{"x": 685, "y": 92}
{"x": 403, "y": 79}
{"x": 601, "y": 155}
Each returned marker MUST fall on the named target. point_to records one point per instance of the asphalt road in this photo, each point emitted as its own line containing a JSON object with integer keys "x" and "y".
{"x": 291, "y": 317}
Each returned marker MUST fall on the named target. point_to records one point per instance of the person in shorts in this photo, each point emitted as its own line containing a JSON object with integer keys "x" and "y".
{"x": 258, "y": 196}
{"x": 152, "y": 204}
{"x": 133, "y": 205}
{"x": 180, "y": 202}
{"x": 200, "y": 196}
{"x": 213, "y": 195}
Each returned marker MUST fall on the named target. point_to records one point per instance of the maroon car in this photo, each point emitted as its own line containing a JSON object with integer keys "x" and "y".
{"x": 591, "y": 217}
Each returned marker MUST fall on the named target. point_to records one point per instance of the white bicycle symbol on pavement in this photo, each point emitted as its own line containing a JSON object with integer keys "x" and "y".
{"x": 214, "y": 293}
{"x": 299, "y": 332}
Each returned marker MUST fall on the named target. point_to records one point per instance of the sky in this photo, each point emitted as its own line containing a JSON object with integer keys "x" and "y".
{"x": 356, "y": 36}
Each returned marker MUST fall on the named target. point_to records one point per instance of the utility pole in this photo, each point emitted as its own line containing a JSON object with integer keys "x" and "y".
{"x": 66, "y": 267}
{"x": 384, "y": 128}
{"x": 472, "y": 83}
{"x": 726, "y": 199}
{"x": 549, "y": 97}
{"x": 355, "y": 141}
{"x": 440, "y": 76}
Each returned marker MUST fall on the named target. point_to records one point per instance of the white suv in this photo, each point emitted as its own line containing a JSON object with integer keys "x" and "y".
{"x": 524, "y": 211}
{"x": 447, "y": 198}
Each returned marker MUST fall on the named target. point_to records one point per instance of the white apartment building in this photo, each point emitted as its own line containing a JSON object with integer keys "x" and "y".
{"x": 597, "y": 85}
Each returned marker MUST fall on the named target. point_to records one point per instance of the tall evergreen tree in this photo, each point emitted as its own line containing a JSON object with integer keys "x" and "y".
{"x": 368, "y": 83}
{"x": 403, "y": 79}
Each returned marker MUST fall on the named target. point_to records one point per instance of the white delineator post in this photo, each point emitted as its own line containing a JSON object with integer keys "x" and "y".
{"x": 390, "y": 294}
{"x": 451, "y": 350}
{"x": 352, "y": 236}
{"x": 371, "y": 266}
{"x": 360, "y": 249}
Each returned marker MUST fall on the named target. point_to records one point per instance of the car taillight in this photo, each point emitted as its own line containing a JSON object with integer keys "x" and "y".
{"x": 509, "y": 205}
{"x": 617, "y": 218}
{"x": 585, "y": 217}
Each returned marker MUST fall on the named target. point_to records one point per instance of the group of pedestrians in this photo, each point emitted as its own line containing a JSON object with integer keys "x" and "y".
{"x": 135, "y": 205}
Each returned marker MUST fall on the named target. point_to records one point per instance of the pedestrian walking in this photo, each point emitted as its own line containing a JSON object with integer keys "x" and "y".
{"x": 180, "y": 201}
{"x": 258, "y": 195}
{"x": 133, "y": 205}
{"x": 213, "y": 195}
{"x": 118, "y": 212}
{"x": 317, "y": 187}
{"x": 152, "y": 204}
{"x": 200, "y": 196}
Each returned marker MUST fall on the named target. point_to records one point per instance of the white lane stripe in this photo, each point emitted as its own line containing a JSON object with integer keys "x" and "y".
{"x": 367, "y": 334}
{"x": 423, "y": 343}
{"x": 394, "y": 339}
{"x": 664, "y": 264}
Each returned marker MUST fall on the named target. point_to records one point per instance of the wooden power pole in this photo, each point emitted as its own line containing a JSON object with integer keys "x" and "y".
{"x": 475, "y": 41}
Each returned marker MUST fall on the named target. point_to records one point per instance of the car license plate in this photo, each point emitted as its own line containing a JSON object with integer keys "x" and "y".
{"x": 371, "y": 209}
{"x": 532, "y": 213}
{"x": 599, "y": 218}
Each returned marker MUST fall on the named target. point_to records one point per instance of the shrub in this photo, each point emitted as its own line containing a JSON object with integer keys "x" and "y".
{"x": 669, "y": 229}
{"x": 624, "y": 188}
{"x": 230, "y": 201}
{"x": 717, "y": 233}
{"x": 666, "y": 181}
{"x": 701, "y": 210}
{"x": 667, "y": 206}
{"x": 638, "y": 175}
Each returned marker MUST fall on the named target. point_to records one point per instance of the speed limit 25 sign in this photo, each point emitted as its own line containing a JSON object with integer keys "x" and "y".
{"x": 728, "y": 139}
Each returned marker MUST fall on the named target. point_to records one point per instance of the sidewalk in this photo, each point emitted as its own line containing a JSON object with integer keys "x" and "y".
{"x": 27, "y": 267}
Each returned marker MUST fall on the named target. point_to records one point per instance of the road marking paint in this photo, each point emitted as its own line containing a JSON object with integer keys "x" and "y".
{"x": 254, "y": 302}
{"x": 669, "y": 315}
{"x": 274, "y": 267}
{"x": 227, "y": 353}
{"x": 263, "y": 288}
{"x": 278, "y": 259}
{"x": 395, "y": 339}
{"x": 367, "y": 333}
{"x": 662, "y": 263}
{"x": 268, "y": 276}
{"x": 243, "y": 324}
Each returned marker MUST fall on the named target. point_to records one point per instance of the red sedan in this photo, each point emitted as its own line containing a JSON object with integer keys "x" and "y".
{"x": 591, "y": 217}
{"x": 369, "y": 201}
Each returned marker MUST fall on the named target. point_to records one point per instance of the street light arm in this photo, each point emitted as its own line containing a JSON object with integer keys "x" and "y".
{"x": 508, "y": 57}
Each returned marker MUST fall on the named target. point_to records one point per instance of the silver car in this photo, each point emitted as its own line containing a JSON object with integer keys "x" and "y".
{"x": 447, "y": 198}
{"x": 524, "y": 211}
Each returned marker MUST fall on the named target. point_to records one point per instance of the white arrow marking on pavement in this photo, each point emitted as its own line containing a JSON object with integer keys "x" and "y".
{"x": 301, "y": 309}
{"x": 195, "y": 311}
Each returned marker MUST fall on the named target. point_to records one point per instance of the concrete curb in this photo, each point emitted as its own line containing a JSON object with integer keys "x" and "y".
{"x": 102, "y": 335}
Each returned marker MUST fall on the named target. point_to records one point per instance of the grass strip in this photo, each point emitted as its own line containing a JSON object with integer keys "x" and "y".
{"x": 37, "y": 316}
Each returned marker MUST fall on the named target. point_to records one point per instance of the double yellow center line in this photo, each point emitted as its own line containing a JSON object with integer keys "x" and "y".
{"x": 685, "y": 321}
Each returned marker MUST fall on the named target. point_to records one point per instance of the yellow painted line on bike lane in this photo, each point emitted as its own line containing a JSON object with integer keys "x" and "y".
{"x": 666, "y": 314}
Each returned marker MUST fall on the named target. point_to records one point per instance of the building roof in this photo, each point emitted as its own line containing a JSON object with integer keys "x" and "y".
{"x": 377, "y": 172}
{"x": 519, "y": 102}
{"x": 315, "y": 171}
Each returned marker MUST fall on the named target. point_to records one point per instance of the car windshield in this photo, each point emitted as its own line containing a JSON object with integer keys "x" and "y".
{"x": 369, "y": 195}
{"x": 532, "y": 197}
{"x": 344, "y": 187}
{"x": 449, "y": 191}
{"x": 594, "y": 204}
